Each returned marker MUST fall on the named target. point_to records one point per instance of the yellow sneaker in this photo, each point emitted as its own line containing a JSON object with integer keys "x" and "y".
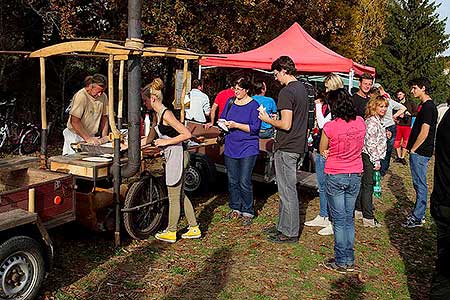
{"x": 193, "y": 233}
{"x": 167, "y": 236}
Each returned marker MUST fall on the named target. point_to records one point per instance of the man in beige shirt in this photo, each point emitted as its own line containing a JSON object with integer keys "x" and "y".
{"x": 88, "y": 113}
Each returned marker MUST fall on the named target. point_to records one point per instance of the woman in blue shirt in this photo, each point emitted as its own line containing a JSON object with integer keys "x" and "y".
{"x": 241, "y": 149}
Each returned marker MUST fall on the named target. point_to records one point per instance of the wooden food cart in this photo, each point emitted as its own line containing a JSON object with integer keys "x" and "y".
{"x": 67, "y": 188}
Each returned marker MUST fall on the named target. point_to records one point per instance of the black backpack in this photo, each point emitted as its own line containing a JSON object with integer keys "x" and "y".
{"x": 312, "y": 94}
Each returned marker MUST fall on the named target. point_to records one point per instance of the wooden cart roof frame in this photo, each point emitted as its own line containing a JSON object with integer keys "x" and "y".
{"x": 115, "y": 52}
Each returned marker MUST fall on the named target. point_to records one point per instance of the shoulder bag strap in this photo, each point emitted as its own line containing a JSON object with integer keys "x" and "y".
{"x": 230, "y": 103}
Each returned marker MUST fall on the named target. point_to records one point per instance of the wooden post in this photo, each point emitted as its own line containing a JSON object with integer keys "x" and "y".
{"x": 116, "y": 146}
{"x": 31, "y": 200}
{"x": 112, "y": 121}
{"x": 183, "y": 89}
{"x": 43, "y": 94}
{"x": 43, "y": 156}
{"x": 120, "y": 108}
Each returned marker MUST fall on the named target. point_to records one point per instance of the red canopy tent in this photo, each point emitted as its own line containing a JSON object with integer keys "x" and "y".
{"x": 308, "y": 54}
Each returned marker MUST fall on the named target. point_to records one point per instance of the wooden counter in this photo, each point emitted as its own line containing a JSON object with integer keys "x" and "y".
{"x": 74, "y": 164}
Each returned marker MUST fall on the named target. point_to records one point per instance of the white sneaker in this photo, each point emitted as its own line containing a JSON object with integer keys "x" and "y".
{"x": 318, "y": 221}
{"x": 358, "y": 215}
{"x": 327, "y": 230}
{"x": 372, "y": 223}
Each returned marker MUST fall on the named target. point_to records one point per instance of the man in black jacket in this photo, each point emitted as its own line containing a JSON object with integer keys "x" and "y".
{"x": 440, "y": 210}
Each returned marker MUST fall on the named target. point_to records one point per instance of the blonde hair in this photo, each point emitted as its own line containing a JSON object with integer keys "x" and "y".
{"x": 371, "y": 109}
{"x": 153, "y": 88}
{"x": 333, "y": 82}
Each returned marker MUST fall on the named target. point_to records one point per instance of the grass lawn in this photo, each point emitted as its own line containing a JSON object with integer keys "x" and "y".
{"x": 231, "y": 262}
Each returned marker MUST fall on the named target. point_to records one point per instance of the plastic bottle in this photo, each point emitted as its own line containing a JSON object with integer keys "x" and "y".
{"x": 377, "y": 184}
{"x": 146, "y": 124}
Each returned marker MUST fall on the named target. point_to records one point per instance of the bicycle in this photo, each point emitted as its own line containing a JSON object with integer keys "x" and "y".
{"x": 29, "y": 139}
{"x": 24, "y": 139}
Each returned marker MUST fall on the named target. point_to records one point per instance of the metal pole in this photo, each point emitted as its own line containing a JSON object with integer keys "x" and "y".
{"x": 134, "y": 95}
{"x": 116, "y": 190}
{"x": 351, "y": 75}
{"x": 134, "y": 103}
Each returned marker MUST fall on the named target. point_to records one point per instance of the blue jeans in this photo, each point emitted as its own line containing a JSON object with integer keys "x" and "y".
{"x": 390, "y": 145}
{"x": 239, "y": 172}
{"x": 342, "y": 190}
{"x": 419, "y": 165}
{"x": 266, "y": 133}
{"x": 320, "y": 166}
{"x": 286, "y": 166}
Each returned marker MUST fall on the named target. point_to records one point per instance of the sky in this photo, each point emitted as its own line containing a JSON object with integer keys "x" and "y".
{"x": 444, "y": 12}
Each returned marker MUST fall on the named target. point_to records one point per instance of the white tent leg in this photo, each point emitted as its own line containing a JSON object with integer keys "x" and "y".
{"x": 351, "y": 76}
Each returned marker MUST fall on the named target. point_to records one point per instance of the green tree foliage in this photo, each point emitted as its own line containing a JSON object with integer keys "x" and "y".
{"x": 90, "y": 18}
{"x": 368, "y": 28}
{"x": 210, "y": 26}
{"x": 415, "y": 38}
{"x": 207, "y": 26}
{"x": 19, "y": 28}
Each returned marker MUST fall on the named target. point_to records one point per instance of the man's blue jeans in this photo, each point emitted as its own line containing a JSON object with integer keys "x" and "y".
{"x": 286, "y": 166}
{"x": 390, "y": 145}
{"x": 320, "y": 166}
{"x": 239, "y": 172}
{"x": 419, "y": 165}
{"x": 342, "y": 190}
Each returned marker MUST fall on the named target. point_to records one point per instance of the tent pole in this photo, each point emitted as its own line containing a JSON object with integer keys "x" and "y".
{"x": 351, "y": 75}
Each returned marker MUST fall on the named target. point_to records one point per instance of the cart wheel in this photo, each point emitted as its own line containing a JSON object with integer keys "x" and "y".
{"x": 22, "y": 268}
{"x": 144, "y": 221}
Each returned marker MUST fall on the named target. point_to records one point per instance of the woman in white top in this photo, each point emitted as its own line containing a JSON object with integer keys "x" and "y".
{"x": 323, "y": 115}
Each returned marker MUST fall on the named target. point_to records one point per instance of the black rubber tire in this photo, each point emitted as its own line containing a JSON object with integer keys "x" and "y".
{"x": 17, "y": 254}
{"x": 200, "y": 175}
{"x": 29, "y": 142}
{"x": 142, "y": 223}
{"x": 195, "y": 179}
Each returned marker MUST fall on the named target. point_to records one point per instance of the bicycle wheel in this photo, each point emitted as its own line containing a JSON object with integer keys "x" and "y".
{"x": 29, "y": 142}
{"x": 144, "y": 208}
{"x": 2, "y": 138}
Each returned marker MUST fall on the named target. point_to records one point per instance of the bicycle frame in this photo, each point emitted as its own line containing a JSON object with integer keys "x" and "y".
{"x": 16, "y": 141}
